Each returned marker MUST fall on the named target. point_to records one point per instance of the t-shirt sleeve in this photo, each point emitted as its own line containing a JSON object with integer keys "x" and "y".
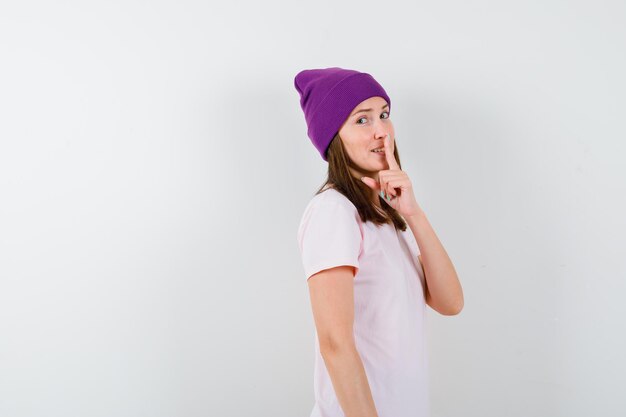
{"x": 329, "y": 235}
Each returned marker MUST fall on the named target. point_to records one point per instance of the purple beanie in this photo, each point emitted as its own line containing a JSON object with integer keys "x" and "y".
{"x": 328, "y": 95}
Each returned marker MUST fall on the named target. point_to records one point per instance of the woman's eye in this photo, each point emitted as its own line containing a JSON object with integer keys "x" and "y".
{"x": 385, "y": 112}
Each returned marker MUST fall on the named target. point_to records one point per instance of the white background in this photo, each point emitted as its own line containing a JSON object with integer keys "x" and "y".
{"x": 154, "y": 166}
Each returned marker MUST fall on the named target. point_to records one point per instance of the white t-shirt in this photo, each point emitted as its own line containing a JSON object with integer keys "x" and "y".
{"x": 389, "y": 304}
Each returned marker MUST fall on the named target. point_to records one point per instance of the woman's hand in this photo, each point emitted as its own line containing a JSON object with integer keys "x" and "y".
{"x": 394, "y": 185}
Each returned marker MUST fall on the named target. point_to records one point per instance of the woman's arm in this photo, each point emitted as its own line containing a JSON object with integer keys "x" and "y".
{"x": 332, "y": 301}
{"x": 443, "y": 289}
{"x": 347, "y": 374}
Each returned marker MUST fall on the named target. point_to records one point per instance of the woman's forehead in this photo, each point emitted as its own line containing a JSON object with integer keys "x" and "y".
{"x": 372, "y": 103}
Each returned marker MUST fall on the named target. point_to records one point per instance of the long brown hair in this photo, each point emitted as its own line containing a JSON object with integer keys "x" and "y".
{"x": 340, "y": 178}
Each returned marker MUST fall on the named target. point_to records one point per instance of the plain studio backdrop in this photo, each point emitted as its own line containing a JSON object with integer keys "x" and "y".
{"x": 154, "y": 166}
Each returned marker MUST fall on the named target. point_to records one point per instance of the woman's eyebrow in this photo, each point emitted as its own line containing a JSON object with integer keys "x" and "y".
{"x": 365, "y": 110}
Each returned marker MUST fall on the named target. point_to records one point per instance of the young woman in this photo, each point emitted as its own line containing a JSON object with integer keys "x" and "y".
{"x": 371, "y": 258}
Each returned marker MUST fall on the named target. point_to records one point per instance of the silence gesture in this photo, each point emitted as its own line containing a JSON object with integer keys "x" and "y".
{"x": 394, "y": 184}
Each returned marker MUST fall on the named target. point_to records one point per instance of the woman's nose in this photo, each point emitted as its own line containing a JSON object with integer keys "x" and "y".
{"x": 381, "y": 129}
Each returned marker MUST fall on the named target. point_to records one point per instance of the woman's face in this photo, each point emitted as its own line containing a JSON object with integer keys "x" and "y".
{"x": 364, "y": 130}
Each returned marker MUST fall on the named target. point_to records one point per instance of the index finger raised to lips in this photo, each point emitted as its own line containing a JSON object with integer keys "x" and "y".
{"x": 391, "y": 160}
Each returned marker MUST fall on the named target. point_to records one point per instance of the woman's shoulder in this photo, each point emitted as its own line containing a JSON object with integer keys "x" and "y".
{"x": 331, "y": 196}
{"x": 331, "y": 205}
{"x": 329, "y": 210}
